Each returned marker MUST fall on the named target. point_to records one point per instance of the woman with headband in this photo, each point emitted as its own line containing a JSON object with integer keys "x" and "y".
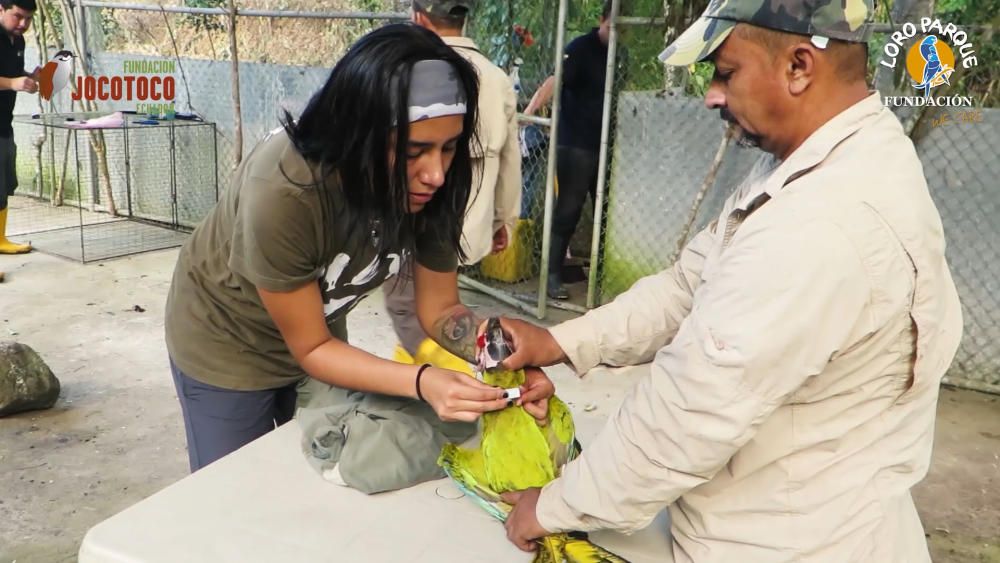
{"x": 319, "y": 215}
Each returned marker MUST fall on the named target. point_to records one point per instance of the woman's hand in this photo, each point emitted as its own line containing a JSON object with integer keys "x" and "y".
{"x": 535, "y": 394}
{"x": 455, "y": 396}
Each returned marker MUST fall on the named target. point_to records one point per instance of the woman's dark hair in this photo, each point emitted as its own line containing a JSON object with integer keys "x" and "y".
{"x": 26, "y": 5}
{"x": 349, "y": 127}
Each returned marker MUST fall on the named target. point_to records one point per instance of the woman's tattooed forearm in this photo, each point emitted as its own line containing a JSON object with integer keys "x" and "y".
{"x": 456, "y": 332}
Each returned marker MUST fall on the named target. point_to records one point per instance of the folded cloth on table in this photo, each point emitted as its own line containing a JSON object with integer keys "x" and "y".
{"x": 370, "y": 442}
{"x": 116, "y": 119}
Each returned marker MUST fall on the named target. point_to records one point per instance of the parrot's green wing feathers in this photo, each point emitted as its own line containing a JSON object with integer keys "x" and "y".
{"x": 550, "y": 549}
{"x": 516, "y": 452}
{"x": 465, "y": 467}
{"x": 578, "y": 550}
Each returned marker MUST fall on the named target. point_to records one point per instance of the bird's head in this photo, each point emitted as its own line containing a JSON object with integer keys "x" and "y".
{"x": 64, "y": 56}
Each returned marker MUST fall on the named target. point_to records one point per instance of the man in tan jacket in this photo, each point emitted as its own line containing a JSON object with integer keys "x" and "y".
{"x": 495, "y": 201}
{"x": 797, "y": 345}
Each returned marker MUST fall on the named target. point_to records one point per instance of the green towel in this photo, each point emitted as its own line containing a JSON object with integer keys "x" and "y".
{"x": 376, "y": 442}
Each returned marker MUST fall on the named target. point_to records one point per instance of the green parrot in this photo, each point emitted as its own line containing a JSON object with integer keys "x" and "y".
{"x": 518, "y": 452}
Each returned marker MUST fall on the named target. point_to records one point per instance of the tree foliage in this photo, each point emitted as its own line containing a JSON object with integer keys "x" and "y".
{"x": 980, "y": 81}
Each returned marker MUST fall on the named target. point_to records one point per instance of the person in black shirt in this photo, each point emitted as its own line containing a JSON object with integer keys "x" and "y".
{"x": 15, "y": 19}
{"x": 579, "y": 137}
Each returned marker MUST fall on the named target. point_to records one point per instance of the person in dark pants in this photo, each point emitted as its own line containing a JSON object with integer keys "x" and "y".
{"x": 15, "y": 19}
{"x": 579, "y": 137}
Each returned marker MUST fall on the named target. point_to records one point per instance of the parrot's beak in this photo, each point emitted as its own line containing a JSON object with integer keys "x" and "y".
{"x": 493, "y": 347}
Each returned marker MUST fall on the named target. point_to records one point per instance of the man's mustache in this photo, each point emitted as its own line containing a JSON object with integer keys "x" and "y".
{"x": 728, "y": 117}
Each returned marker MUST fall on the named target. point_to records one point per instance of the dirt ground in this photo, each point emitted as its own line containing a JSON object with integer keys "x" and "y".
{"x": 116, "y": 436}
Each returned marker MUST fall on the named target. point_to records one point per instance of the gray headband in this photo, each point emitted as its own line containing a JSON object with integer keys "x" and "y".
{"x": 435, "y": 91}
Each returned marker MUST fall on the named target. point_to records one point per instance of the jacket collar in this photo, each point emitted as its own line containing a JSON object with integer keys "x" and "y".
{"x": 817, "y": 147}
{"x": 457, "y": 41}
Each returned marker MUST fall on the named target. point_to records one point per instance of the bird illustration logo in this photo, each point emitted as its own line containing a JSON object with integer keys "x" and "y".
{"x": 930, "y": 63}
{"x": 54, "y": 76}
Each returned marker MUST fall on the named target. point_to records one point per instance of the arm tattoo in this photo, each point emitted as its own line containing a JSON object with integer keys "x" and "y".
{"x": 456, "y": 332}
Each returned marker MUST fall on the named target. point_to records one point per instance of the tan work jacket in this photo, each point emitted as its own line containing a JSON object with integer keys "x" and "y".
{"x": 797, "y": 348}
{"x": 495, "y": 200}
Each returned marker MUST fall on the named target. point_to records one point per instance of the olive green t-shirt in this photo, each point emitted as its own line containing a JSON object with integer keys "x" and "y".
{"x": 269, "y": 231}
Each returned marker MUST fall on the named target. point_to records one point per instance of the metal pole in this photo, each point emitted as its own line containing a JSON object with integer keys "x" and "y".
{"x": 469, "y": 283}
{"x": 215, "y": 160}
{"x": 602, "y": 161}
{"x": 175, "y": 212}
{"x": 342, "y": 15}
{"x": 81, "y": 32}
{"x": 327, "y": 15}
{"x": 128, "y": 169}
{"x": 153, "y": 8}
{"x": 641, "y": 21}
{"x": 544, "y": 121}
{"x": 79, "y": 191}
{"x": 567, "y": 306}
{"x": 543, "y": 278}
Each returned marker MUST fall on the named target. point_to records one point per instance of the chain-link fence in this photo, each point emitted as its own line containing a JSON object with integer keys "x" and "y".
{"x": 670, "y": 170}
{"x": 93, "y": 194}
{"x": 520, "y": 37}
{"x": 958, "y": 149}
{"x": 168, "y": 175}
{"x": 285, "y": 52}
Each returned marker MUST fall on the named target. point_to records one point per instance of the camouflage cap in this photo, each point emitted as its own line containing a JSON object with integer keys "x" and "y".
{"x": 846, "y": 20}
{"x": 445, "y": 8}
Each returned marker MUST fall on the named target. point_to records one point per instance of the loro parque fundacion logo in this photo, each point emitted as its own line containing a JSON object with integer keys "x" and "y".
{"x": 927, "y": 52}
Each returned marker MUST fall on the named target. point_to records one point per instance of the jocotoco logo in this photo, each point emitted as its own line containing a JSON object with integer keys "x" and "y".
{"x": 141, "y": 81}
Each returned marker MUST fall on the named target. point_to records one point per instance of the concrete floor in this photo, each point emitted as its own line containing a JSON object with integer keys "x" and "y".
{"x": 116, "y": 436}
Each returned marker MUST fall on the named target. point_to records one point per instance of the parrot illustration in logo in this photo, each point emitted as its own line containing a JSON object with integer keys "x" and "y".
{"x": 54, "y": 76}
{"x": 936, "y": 73}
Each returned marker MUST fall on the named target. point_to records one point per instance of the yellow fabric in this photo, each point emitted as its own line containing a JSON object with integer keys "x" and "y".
{"x": 516, "y": 262}
{"x": 6, "y": 246}
{"x": 495, "y": 201}
{"x": 430, "y": 352}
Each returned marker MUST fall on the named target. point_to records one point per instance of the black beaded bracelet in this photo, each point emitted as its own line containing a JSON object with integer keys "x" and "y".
{"x": 420, "y": 372}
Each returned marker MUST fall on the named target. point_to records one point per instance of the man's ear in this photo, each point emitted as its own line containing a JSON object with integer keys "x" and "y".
{"x": 801, "y": 59}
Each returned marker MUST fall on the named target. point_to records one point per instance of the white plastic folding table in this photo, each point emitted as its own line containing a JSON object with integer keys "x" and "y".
{"x": 264, "y": 503}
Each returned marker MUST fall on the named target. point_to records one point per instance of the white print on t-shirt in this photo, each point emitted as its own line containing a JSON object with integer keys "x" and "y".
{"x": 340, "y": 296}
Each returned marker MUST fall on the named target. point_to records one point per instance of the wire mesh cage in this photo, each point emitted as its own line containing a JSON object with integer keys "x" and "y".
{"x": 958, "y": 150}
{"x": 522, "y": 37}
{"x": 519, "y": 36}
{"x": 94, "y": 193}
{"x": 275, "y": 75}
{"x": 515, "y": 270}
{"x": 666, "y": 174}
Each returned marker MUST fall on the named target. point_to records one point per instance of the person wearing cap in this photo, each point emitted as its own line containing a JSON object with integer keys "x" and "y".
{"x": 797, "y": 345}
{"x": 376, "y": 169}
{"x": 495, "y": 201}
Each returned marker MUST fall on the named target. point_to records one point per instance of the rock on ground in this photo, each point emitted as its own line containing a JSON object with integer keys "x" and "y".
{"x": 26, "y": 382}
